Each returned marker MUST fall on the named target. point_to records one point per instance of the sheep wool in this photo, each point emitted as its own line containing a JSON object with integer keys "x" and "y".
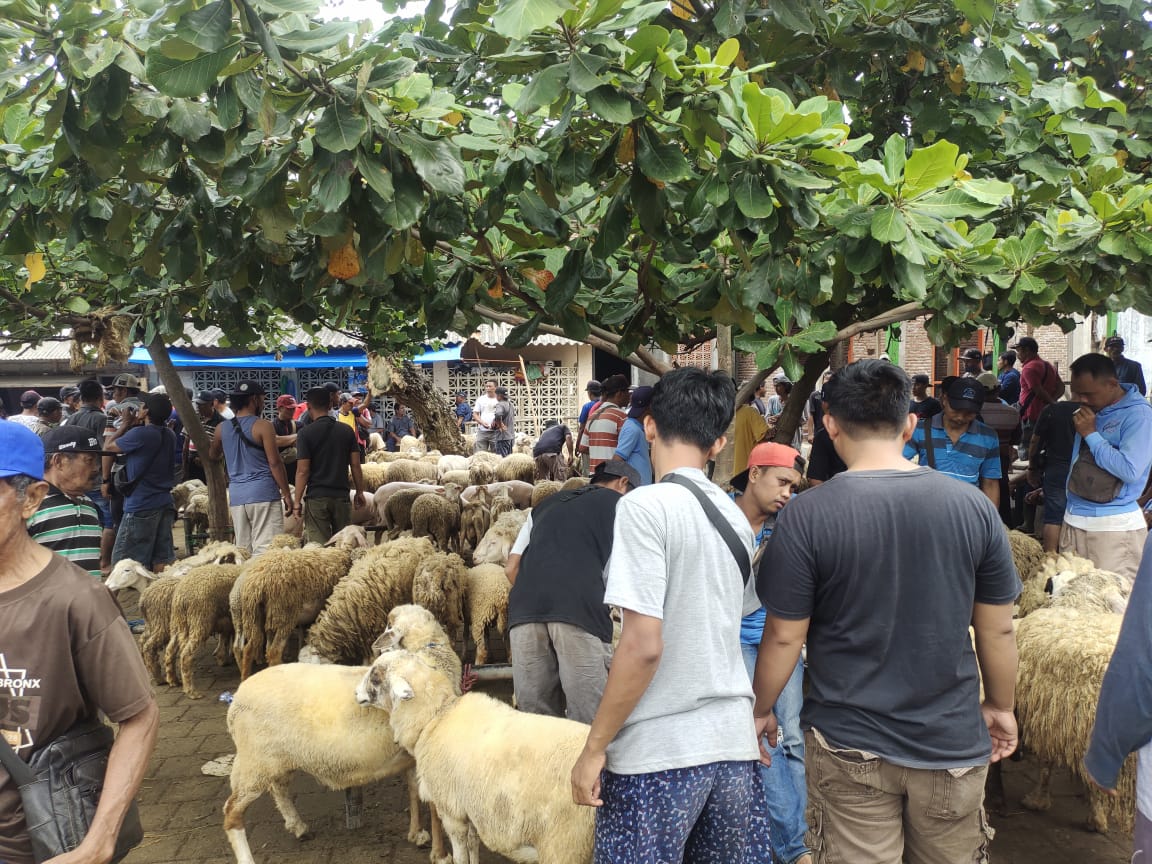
{"x": 199, "y": 610}
{"x": 574, "y": 483}
{"x": 487, "y": 590}
{"x": 544, "y": 489}
{"x": 284, "y": 541}
{"x": 501, "y": 503}
{"x": 412, "y": 445}
{"x": 438, "y": 586}
{"x": 398, "y": 510}
{"x": 156, "y": 607}
{"x": 375, "y": 475}
{"x": 451, "y": 462}
{"x": 196, "y": 513}
{"x": 460, "y": 478}
{"x": 411, "y": 471}
{"x": 182, "y": 492}
{"x": 496, "y": 543}
{"x": 1027, "y": 554}
{"x": 481, "y": 474}
{"x": 517, "y": 466}
{"x": 438, "y": 517}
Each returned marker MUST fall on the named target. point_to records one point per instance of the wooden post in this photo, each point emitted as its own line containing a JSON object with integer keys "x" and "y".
{"x": 531, "y": 398}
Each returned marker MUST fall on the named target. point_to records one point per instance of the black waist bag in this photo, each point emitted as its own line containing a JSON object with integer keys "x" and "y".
{"x": 60, "y": 788}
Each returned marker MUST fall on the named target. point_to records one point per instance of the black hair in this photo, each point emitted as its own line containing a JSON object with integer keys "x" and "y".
{"x": 91, "y": 391}
{"x": 1099, "y": 366}
{"x": 693, "y": 406}
{"x": 787, "y": 385}
{"x": 1010, "y": 356}
{"x": 239, "y": 403}
{"x": 870, "y": 396}
{"x": 319, "y": 398}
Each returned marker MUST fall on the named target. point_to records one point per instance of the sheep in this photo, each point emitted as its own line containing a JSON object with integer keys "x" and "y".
{"x": 451, "y": 462}
{"x": 199, "y": 609}
{"x": 495, "y": 545}
{"x": 462, "y": 479}
{"x": 283, "y": 541}
{"x": 398, "y": 511}
{"x": 525, "y": 444}
{"x": 484, "y": 457}
{"x": 411, "y": 471}
{"x": 574, "y": 483}
{"x": 357, "y": 611}
{"x": 501, "y": 503}
{"x": 432, "y": 457}
{"x": 349, "y": 537}
{"x": 181, "y": 492}
{"x": 517, "y": 466}
{"x": 481, "y": 474}
{"x": 1063, "y": 656}
{"x": 486, "y": 588}
{"x": 520, "y": 492}
{"x": 495, "y": 775}
{"x": 1027, "y": 554}
{"x": 375, "y": 442}
{"x": 300, "y": 717}
{"x": 1067, "y": 581}
{"x": 217, "y": 552}
{"x": 196, "y": 513}
{"x": 280, "y": 591}
{"x": 412, "y": 445}
{"x": 438, "y": 586}
{"x": 438, "y": 517}
{"x": 475, "y": 519}
{"x": 375, "y": 475}
{"x": 544, "y": 489}
{"x": 156, "y": 607}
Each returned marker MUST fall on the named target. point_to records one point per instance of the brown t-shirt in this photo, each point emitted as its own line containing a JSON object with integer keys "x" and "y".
{"x": 65, "y": 651}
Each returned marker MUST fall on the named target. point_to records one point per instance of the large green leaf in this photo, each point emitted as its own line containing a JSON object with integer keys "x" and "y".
{"x": 340, "y": 129}
{"x": 190, "y": 77}
{"x": 317, "y": 39}
{"x": 659, "y": 160}
{"x": 189, "y": 119}
{"x": 929, "y": 167}
{"x": 613, "y": 228}
{"x": 374, "y": 174}
{"x": 544, "y": 89}
{"x": 260, "y": 33}
{"x": 207, "y": 27}
{"x": 610, "y": 104}
{"x": 515, "y": 19}
{"x": 888, "y": 225}
{"x": 752, "y": 196}
{"x": 584, "y": 72}
{"x": 437, "y": 161}
{"x": 407, "y": 202}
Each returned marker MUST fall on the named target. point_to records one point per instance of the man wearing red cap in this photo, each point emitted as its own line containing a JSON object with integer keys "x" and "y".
{"x": 286, "y": 426}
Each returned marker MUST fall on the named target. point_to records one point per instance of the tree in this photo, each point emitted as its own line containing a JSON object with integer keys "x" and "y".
{"x": 630, "y": 173}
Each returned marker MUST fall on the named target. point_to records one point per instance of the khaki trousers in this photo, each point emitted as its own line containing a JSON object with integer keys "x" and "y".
{"x": 1117, "y": 551}
{"x": 256, "y": 524}
{"x": 864, "y": 810}
{"x": 558, "y": 666}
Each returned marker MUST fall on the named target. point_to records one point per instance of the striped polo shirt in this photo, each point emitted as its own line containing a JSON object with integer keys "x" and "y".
{"x": 69, "y": 527}
{"x": 974, "y": 457}
{"x": 603, "y": 433}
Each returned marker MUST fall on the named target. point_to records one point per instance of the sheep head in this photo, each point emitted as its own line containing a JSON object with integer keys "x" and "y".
{"x": 129, "y": 574}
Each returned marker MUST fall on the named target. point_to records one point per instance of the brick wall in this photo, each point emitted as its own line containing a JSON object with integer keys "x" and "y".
{"x": 700, "y": 356}
{"x": 916, "y": 352}
{"x": 918, "y": 355}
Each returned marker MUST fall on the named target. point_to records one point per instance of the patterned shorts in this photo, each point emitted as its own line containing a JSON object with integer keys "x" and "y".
{"x": 706, "y": 814}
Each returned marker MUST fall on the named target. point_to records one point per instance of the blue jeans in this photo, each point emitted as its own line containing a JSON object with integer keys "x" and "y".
{"x": 785, "y": 787}
{"x": 146, "y": 537}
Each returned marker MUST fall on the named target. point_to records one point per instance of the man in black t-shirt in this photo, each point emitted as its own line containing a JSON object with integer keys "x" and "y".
{"x": 824, "y": 462}
{"x": 559, "y": 630}
{"x": 325, "y": 452}
{"x": 549, "y": 449}
{"x": 1049, "y": 460}
{"x": 921, "y": 404}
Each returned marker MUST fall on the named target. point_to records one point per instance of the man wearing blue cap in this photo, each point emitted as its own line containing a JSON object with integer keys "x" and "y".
{"x": 67, "y": 655}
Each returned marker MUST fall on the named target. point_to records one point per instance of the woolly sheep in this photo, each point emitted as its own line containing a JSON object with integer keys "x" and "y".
{"x": 574, "y": 483}
{"x": 357, "y": 611}
{"x": 282, "y": 590}
{"x": 484, "y": 457}
{"x": 411, "y": 471}
{"x": 375, "y": 475}
{"x": 375, "y": 442}
{"x": 412, "y": 627}
{"x": 438, "y": 517}
{"x": 451, "y": 462}
{"x": 398, "y": 511}
{"x": 495, "y": 775}
{"x": 525, "y": 444}
{"x": 501, "y": 503}
{"x": 1067, "y": 581}
{"x": 216, "y": 552}
{"x": 349, "y": 537}
{"x": 517, "y": 466}
{"x": 495, "y": 545}
{"x": 486, "y": 588}
{"x": 544, "y": 489}
{"x": 520, "y": 491}
{"x": 199, "y": 609}
{"x": 412, "y": 445}
{"x": 438, "y": 586}
{"x": 1027, "y": 554}
{"x": 156, "y": 608}
{"x": 460, "y": 478}
{"x": 481, "y": 474}
{"x": 283, "y": 541}
{"x": 1063, "y": 656}
{"x": 196, "y": 513}
{"x": 475, "y": 519}
{"x": 181, "y": 492}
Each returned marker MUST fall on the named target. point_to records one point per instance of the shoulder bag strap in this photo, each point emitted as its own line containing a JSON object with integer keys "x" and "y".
{"x": 717, "y": 519}
{"x": 240, "y": 431}
{"x": 929, "y": 444}
{"x": 20, "y": 773}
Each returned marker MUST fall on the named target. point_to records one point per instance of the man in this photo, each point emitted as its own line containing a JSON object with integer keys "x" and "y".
{"x": 70, "y": 399}
{"x": 749, "y": 428}
{"x": 462, "y": 412}
{"x": 355, "y": 418}
{"x": 921, "y": 404}
{"x": 897, "y": 739}
{"x": 1009, "y": 378}
{"x": 1049, "y": 459}
{"x": 76, "y": 658}
{"x": 67, "y": 522}
{"x": 28, "y": 416}
{"x": 205, "y": 405}
{"x": 604, "y": 423}
{"x": 1128, "y": 371}
{"x": 286, "y": 427}
{"x": 560, "y": 632}
{"x": 258, "y": 493}
{"x": 1110, "y": 460}
{"x": 632, "y": 445}
{"x": 551, "y": 463}
{"x": 1123, "y": 718}
{"x": 145, "y": 532}
{"x": 816, "y": 409}
{"x": 1004, "y": 420}
{"x": 971, "y": 363}
{"x": 759, "y": 399}
{"x": 593, "y": 390}
{"x": 763, "y": 488}
{"x": 126, "y": 393}
{"x": 957, "y": 444}
{"x": 49, "y": 413}
{"x": 670, "y": 760}
{"x": 484, "y": 413}
{"x": 325, "y": 453}
{"x": 220, "y": 404}
{"x": 90, "y": 417}
{"x": 504, "y": 424}
{"x": 399, "y": 425}
{"x": 824, "y": 462}
{"x": 776, "y": 405}
{"x": 1040, "y": 385}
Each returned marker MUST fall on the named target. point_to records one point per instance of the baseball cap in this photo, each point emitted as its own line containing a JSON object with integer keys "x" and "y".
{"x": 68, "y": 391}
{"x": 501, "y": 391}
{"x": 989, "y": 380}
{"x": 965, "y": 394}
{"x": 769, "y": 454}
{"x": 593, "y": 387}
{"x": 1114, "y": 341}
{"x": 248, "y": 388}
{"x": 219, "y": 395}
{"x": 47, "y": 405}
{"x": 21, "y": 451}
{"x": 972, "y": 354}
{"x": 158, "y": 404}
{"x": 614, "y": 384}
{"x": 126, "y": 380}
{"x": 921, "y": 379}
{"x": 331, "y": 387}
{"x": 72, "y": 439}
{"x": 285, "y": 401}
{"x": 616, "y": 468}
{"x": 1027, "y": 343}
{"x": 205, "y": 397}
{"x": 159, "y": 388}
{"x": 641, "y": 399}
{"x": 29, "y": 398}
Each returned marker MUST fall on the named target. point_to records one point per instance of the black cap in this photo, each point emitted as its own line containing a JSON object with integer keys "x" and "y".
{"x": 72, "y": 439}
{"x": 965, "y": 394}
{"x": 249, "y": 388}
{"x": 972, "y": 354}
{"x": 1028, "y": 344}
{"x": 331, "y": 386}
{"x": 29, "y": 398}
{"x": 501, "y": 391}
{"x": 615, "y": 468}
{"x": 68, "y": 391}
{"x": 614, "y": 384}
{"x": 158, "y": 405}
{"x": 219, "y": 395}
{"x": 921, "y": 379}
{"x": 593, "y": 387}
{"x": 1114, "y": 341}
{"x": 47, "y": 405}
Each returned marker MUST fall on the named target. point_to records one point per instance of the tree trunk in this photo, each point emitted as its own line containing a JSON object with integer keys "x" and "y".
{"x": 428, "y": 404}
{"x": 789, "y": 421}
{"x": 726, "y": 362}
{"x": 219, "y": 523}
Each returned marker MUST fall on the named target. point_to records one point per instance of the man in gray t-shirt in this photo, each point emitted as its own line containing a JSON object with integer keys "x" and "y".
{"x": 671, "y": 758}
{"x": 897, "y": 739}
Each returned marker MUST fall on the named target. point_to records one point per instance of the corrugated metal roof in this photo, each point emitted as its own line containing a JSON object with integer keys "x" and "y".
{"x": 44, "y": 352}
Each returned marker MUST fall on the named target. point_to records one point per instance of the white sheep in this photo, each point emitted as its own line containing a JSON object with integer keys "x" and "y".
{"x": 181, "y": 492}
{"x": 451, "y": 462}
{"x": 545, "y": 489}
{"x": 438, "y": 516}
{"x": 199, "y": 610}
{"x": 438, "y": 586}
{"x": 480, "y": 474}
{"x": 375, "y": 442}
{"x": 486, "y": 589}
{"x": 375, "y": 475}
{"x": 520, "y": 492}
{"x": 501, "y": 503}
{"x": 517, "y": 466}
{"x": 484, "y": 457}
{"x": 574, "y": 483}
{"x": 463, "y": 479}
{"x": 1067, "y": 581}
{"x": 411, "y": 445}
{"x": 411, "y": 471}
{"x": 196, "y": 513}
{"x": 494, "y": 547}
{"x": 493, "y": 774}
{"x": 156, "y": 607}
{"x": 475, "y": 519}
{"x": 349, "y": 537}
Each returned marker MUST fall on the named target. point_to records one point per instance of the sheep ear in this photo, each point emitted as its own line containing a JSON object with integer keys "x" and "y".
{"x": 142, "y": 571}
{"x": 401, "y": 690}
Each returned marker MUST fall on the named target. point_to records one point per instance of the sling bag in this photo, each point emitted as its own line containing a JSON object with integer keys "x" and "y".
{"x": 120, "y": 482}
{"x": 721, "y": 524}
{"x": 1048, "y": 368}
{"x": 60, "y": 789}
{"x": 929, "y": 444}
{"x": 240, "y": 431}
{"x": 1091, "y": 482}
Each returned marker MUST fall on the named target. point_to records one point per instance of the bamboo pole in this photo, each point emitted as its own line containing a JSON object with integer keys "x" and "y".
{"x": 531, "y": 398}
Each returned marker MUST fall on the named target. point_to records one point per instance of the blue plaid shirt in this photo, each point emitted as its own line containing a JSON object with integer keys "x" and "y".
{"x": 974, "y": 457}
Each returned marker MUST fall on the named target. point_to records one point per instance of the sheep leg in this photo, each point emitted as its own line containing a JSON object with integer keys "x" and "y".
{"x": 149, "y": 650}
{"x": 354, "y": 808}
{"x": 457, "y": 830}
{"x": 222, "y": 650}
{"x": 439, "y": 854}
{"x": 1097, "y": 811}
{"x": 480, "y": 637}
{"x": 234, "y": 809}
{"x": 292, "y": 821}
{"x": 274, "y": 650}
{"x": 1040, "y": 798}
{"x": 171, "y": 657}
{"x": 416, "y": 835}
{"x": 187, "y": 654}
{"x": 473, "y": 845}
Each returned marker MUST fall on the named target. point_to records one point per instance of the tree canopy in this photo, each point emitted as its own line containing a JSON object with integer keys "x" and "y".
{"x": 629, "y": 173}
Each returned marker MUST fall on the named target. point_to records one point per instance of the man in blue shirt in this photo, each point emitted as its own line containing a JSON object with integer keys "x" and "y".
{"x": 960, "y": 445}
{"x": 462, "y": 411}
{"x": 632, "y": 445}
{"x": 1009, "y": 377}
{"x": 1128, "y": 371}
{"x": 1110, "y": 460}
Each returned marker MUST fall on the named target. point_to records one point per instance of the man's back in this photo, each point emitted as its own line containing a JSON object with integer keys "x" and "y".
{"x": 327, "y": 445}
{"x": 92, "y": 419}
{"x": 887, "y": 565}
{"x": 604, "y": 432}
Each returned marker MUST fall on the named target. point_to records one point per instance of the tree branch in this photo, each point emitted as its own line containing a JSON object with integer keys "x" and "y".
{"x": 901, "y": 313}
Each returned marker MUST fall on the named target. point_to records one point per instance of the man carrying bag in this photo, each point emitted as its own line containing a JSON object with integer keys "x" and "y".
{"x": 66, "y": 654}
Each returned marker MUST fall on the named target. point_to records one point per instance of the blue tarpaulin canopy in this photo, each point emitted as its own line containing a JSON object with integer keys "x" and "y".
{"x": 294, "y": 358}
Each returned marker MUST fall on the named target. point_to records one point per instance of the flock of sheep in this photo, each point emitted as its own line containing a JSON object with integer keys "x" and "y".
{"x": 437, "y": 580}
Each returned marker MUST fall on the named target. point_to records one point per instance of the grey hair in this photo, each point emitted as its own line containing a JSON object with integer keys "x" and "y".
{"x": 20, "y": 484}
